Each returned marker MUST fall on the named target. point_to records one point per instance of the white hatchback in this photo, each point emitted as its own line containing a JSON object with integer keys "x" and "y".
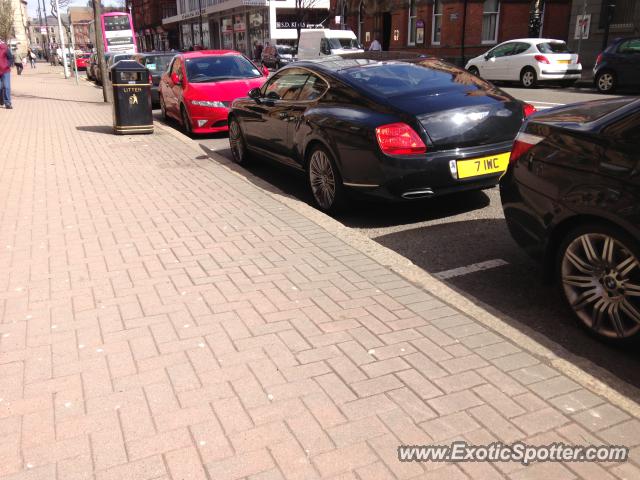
{"x": 528, "y": 61}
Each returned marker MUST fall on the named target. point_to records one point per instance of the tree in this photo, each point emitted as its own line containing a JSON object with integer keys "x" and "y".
{"x": 6, "y": 19}
{"x": 301, "y": 14}
{"x": 63, "y": 5}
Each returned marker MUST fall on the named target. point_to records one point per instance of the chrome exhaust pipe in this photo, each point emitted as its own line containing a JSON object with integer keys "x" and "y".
{"x": 413, "y": 194}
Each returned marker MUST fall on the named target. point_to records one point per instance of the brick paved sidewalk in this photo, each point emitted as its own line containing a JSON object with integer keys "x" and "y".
{"x": 163, "y": 318}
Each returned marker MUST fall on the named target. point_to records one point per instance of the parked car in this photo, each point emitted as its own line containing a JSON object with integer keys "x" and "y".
{"x": 157, "y": 63}
{"x": 618, "y": 65}
{"x": 91, "y": 66}
{"x": 314, "y": 43}
{"x": 82, "y": 61}
{"x": 111, "y": 59}
{"x": 392, "y": 129}
{"x": 198, "y": 88}
{"x": 571, "y": 198}
{"x": 529, "y": 61}
{"x": 276, "y": 56}
{"x": 98, "y": 72}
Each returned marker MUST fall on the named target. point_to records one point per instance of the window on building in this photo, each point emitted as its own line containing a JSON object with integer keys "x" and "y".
{"x": 490, "y": 16}
{"x": 361, "y": 22}
{"x": 624, "y": 15}
{"x": 437, "y": 23}
{"x": 344, "y": 13}
{"x": 413, "y": 11}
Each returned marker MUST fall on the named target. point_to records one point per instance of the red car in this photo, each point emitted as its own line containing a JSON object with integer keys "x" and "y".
{"x": 198, "y": 87}
{"x": 82, "y": 61}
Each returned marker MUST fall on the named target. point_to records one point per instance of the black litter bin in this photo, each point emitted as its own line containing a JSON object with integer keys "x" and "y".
{"x": 132, "y": 112}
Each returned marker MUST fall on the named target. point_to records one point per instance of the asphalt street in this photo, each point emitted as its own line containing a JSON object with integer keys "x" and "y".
{"x": 463, "y": 239}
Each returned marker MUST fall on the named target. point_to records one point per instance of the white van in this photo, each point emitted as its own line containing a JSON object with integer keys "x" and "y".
{"x": 315, "y": 43}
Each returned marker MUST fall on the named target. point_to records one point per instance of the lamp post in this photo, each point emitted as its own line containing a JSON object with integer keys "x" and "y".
{"x": 609, "y": 10}
{"x": 201, "y": 35}
{"x": 62, "y": 42}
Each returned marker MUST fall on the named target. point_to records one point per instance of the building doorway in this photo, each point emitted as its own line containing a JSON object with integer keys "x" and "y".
{"x": 386, "y": 30}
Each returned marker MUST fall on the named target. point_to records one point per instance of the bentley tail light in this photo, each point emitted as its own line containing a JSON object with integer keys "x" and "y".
{"x": 528, "y": 109}
{"x": 399, "y": 139}
{"x": 541, "y": 59}
{"x": 522, "y": 144}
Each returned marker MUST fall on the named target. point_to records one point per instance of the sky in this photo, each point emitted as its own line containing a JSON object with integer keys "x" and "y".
{"x": 32, "y": 5}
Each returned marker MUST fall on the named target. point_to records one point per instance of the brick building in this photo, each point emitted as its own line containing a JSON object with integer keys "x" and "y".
{"x": 450, "y": 29}
{"x": 624, "y": 21}
{"x": 150, "y": 33}
{"x": 82, "y": 20}
{"x": 46, "y": 35}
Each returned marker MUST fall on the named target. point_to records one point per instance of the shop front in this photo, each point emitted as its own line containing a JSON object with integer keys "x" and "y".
{"x": 192, "y": 34}
{"x": 242, "y": 24}
{"x": 240, "y": 29}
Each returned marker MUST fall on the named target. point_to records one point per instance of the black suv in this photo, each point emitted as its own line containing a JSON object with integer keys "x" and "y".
{"x": 276, "y": 56}
{"x": 618, "y": 65}
{"x": 156, "y": 63}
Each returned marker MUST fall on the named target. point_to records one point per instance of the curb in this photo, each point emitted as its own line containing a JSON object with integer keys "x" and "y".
{"x": 577, "y": 368}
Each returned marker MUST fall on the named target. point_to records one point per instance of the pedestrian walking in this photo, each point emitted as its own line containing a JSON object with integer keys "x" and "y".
{"x": 6, "y": 61}
{"x": 257, "y": 51}
{"x": 32, "y": 58}
{"x": 17, "y": 60}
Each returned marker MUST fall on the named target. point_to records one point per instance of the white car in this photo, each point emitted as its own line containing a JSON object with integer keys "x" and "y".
{"x": 528, "y": 61}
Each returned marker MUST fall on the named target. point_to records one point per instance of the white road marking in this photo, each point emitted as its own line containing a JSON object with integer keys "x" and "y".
{"x": 474, "y": 267}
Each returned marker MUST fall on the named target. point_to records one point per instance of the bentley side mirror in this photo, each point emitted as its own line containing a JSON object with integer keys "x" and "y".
{"x": 255, "y": 93}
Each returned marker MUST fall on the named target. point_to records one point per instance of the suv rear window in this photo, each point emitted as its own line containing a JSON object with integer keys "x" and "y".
{"x": 553, "y": 47}
{"x": 284, "y": 49}
{"x": 158, "y": 63}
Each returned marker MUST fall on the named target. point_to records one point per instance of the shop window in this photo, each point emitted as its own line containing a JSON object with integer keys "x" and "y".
{"x": 490, "y": 17}
{"x": 413, "y": 10}
{"x": 437, "y": 23}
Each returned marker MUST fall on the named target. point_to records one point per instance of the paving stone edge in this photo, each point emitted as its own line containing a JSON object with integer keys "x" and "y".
{"x": 573, "y": 366}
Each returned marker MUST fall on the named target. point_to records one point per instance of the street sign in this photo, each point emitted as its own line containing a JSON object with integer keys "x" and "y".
{"x": 583, "y": 23}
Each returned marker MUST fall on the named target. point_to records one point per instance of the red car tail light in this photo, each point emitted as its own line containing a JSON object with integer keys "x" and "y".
{"x": 577, "y": 59}
{"x": 598, "y": 59}
{"x": 399, "y": 139}
{"x": 150, "y": 80}
{"x": 528, "y": 109}
{"x": 541, "y": 59}
{"x": 522, "y": 144}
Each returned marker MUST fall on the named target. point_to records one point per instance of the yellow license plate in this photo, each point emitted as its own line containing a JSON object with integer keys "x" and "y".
{"x": 564, "y": 61}
{"x": 483, "y": 166}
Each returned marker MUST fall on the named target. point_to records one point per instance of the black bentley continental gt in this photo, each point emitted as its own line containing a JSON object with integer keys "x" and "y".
{"x": 571, "y": 198}
{"x": 395, "y": 129}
